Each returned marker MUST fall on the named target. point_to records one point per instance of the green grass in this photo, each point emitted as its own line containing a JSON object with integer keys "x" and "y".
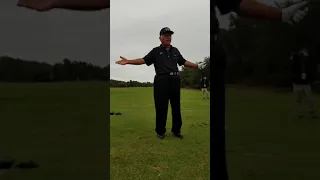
{"x": 63, "y": 127}
{"x": 136, "y": 153}
{"x": 265, "y": 139}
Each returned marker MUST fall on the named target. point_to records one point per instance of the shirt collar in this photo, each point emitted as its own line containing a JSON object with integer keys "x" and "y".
{"x": 162, "y": 46}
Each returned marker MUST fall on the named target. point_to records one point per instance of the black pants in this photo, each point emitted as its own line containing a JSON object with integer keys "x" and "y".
{"x": 167, "y": 88}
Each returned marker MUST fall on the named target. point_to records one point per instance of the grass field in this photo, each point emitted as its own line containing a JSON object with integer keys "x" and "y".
{"x": 136, "y": 153}
{"x": 266, "y": 141}
{"x": 64, "y": 127}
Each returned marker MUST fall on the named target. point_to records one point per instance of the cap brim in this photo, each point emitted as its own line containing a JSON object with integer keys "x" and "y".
{"x": 168, "y": 32}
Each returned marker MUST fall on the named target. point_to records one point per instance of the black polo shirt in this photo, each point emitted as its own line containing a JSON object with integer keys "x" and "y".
{"x": 164, "y": 61}
{"x": 204, "y": 83}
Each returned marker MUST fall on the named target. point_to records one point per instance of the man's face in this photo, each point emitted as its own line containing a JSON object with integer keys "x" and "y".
{"x": 165, "y": 39}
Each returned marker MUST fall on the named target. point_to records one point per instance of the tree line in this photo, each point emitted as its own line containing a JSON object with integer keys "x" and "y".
{"x": 118, "y": 83}
{"x": 19, "y": 70}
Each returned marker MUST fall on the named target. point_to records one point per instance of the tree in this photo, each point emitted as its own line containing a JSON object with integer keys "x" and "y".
{"x": 19, "y": 70}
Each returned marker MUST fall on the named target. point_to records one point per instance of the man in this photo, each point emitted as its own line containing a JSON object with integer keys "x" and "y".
{"x": 288, "y": 11}
{"x": 204, "y": 86}
{"x": 165, "y": 59}
{"x": 303, "y": 76}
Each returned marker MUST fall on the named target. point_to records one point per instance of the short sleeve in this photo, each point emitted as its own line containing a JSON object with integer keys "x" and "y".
{"x": 150, "y": 57}
{"x": 181, "y": 60}
{"x": 226, "y": 6}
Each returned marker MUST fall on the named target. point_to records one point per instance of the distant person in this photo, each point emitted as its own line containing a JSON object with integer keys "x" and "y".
{"x": 165, "y": 59}
{"x": 204, "y": 87}
{"x": 303, "y": 75}
{"x": 81, "y": 5}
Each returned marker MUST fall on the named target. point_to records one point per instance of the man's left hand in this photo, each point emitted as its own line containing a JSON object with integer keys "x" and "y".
{"x": 199, "y": 64}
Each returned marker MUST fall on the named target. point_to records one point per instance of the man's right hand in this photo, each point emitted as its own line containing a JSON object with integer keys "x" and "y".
{"x": 123, "y": 61}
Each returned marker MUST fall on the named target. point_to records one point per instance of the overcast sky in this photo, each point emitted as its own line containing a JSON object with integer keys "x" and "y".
{"x": 54, "y": 35}
{"x": 84, "y": 36}
{"x": 135, "y": 31}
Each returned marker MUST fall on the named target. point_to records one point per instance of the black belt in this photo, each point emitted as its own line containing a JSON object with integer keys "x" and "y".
{"x": 168, "y": 74}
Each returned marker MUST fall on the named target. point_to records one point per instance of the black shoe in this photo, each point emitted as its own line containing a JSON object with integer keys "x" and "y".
{"x": 160, "y": 136}
{"x": 6, "y": 164}
{"x": 178, "y": 135}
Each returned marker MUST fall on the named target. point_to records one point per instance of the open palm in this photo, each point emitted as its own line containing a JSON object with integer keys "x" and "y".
{"x": 123, "y": 61}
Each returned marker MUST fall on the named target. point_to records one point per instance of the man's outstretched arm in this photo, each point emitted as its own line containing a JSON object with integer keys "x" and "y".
{"x": 138, "y": 61}
{"x": 80, "y": 5}
{"x": 190, "y": 64}
{"x": 84, "y": 5}
{"x": 125, "y": 61}
{"x": 257, "y": 9}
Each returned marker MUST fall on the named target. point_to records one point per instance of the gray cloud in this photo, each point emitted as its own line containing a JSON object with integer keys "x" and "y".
{"x": 54, "y": 35}
{"x": 135, "y": 30}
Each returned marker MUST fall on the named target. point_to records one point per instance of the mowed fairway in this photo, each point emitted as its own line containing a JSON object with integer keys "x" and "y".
{"x": 62, "y": 126}
{"x": 136, "y": 153}
{"x": 265, "y": 139}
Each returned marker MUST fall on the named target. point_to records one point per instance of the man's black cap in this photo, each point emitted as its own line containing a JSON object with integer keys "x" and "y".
{"x": 166, "y": 30}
